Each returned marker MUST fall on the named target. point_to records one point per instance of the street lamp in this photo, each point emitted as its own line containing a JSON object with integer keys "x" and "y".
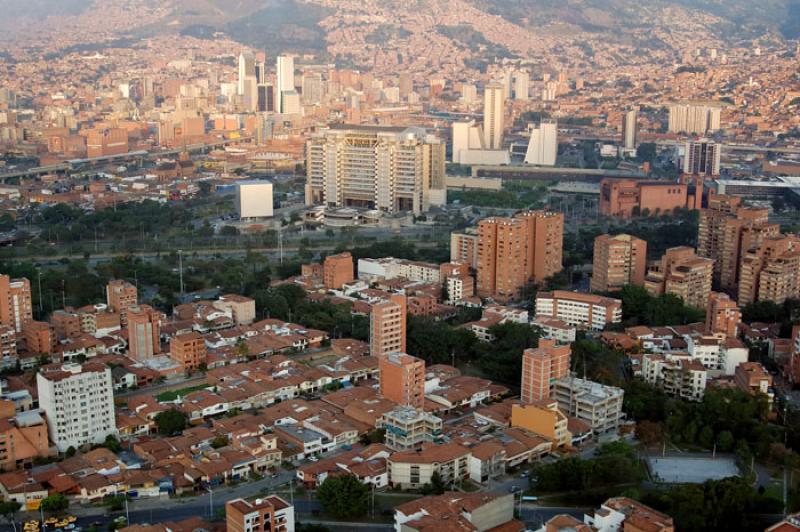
{"x": 210, "y": 502}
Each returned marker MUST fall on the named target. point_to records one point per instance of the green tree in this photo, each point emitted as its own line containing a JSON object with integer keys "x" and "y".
{"x": 9, "y": 509}
{"x": 343, "y": 497}
{"x": 219, "y": 442}
{"x": 113, "y": 444}
{"x": 54, "y": 504}
{"x": 171, "y": 422}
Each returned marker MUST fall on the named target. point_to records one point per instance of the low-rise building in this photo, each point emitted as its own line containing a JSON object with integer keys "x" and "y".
{"x": 598, "y": 405}
{"x": 586, "y": 311}
{"x": 408, "y": 428}
{"x": 270, "y": 514}
{"x": 414, "y": 469}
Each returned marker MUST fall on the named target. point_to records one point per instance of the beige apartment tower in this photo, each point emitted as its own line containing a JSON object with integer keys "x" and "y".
{"x": 494, "y": 103}
{"x": 618, "y": 260}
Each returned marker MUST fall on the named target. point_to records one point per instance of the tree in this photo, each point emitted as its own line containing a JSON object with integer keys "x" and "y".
{"x": 343, "y": 497}
{"x": 9, "y": 509}
{"x": 70, "y": 452}
{"x": 170, "y": 422}
{"x": 649, "y": 433}
{"x": 113, "y": 444}
{"x": 437, "y": 484}
{"x": 54, "y": 504}
{"x": 219, "y": 442}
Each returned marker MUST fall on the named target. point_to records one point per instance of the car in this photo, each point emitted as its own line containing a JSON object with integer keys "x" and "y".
{"x": 514, "y": 489}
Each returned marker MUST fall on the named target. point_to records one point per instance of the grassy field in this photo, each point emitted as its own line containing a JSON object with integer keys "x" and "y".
{"x": 171, "y": 395}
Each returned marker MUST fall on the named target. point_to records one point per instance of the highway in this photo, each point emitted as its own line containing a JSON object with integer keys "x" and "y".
{"x": 78, "y": 163}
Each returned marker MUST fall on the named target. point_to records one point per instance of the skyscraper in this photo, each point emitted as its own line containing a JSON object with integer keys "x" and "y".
{"x": 543, "y": 146}
{"x": 247, "y": 68}
{"x": 522, "y": 82}
{"x": 630, "y": 129}
{"x": 403, "y": 379}
{"x": 540, "y": 367}
{"x": 694, "y": 118}
{"x": 387, "y": 326}
{"x": 285, "y": 79}
{"x": 618, "y": 260}
{"x": 702, "y": 158}
{"x": 493, "y": 116}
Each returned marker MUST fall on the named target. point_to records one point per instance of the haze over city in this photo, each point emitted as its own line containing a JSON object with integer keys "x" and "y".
{"x": 412, "y": 266}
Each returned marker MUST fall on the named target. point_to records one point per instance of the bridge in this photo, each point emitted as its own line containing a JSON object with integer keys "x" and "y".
{"x": 77, "y": 164}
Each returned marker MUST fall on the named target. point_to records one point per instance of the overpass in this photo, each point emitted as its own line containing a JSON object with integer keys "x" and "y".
{"x": 77, "y": 164}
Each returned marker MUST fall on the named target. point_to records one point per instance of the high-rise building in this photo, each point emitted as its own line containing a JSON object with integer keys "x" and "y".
{"x": 144, "y": 330}
{"x": 270, "y": 514}
{"x": 266, "y": 98}
{"x": 543, "y": 146}
{"x": 464, "y": 248}
{"x": 247, "y": 68}
{"x": 493, "y": 116}
{"x": 770, "y": 270}
{"x": 188, "y": 350}
{"x": 78, "y": 402}
{"x": 726, "y": 230}
{"x": 392, "y": 169}
{"x": 403, "y": 379}
{"x": 312, "y": 87}
{"x": 337, "y": 270}
{"x": 702, "y": 158}
{"x": 618, "y": 260}
{"x": 387, "y": 326}
{"x": 722, "y": 315}
{"x": 120, "y": 296}
{"x": 285, "y": 80}
{"x": 630, "y": 129}
{"x": 16, "y": 307}
{"x": 406, "y": 84}
{"x": 515, "y": 251}
{"x": 696, "y": 119}
{"x": 522, "y": 81}
{"x": 540, "y": 367}
{"x": 683, "y": 274}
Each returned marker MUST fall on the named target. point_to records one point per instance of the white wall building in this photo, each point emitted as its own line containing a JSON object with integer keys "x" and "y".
{"x": 543, "y": 146}
{"x": 254, "y": 199}
{"x": 78, "y": 402}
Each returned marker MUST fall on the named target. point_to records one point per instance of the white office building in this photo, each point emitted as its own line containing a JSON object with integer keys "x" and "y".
{"x": 247, "y": 68}
{"x": 78, "y": 402}
{"x": 285, "y": 80}
{"x": 543, "y": 146}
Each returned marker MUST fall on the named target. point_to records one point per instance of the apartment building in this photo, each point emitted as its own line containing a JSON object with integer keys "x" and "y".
{"x": 456, "y": 511}
{"x": 270, "y": 514}
{"x": 188, "y": 350}
{"x": 683, "y": 274}
{"x": 242, "y": 309}
{"x": 513, "y": 252}
{"x": 540, "y": 367}
{"x": 403, "y": 379}
{"x": 751, "y": 377}
{"x": 587, "y": 311}
{"x": 622, "y": 513}
{"x": 144, "y": 326}
{"x": 391, "y": 268}
{"x": 725, "y": 231}
{"x": 414, "y": 469}
{"x": 678, "y": 375}
{"x": 23, "y": 438}
{"x": 16, "y": 307}
{"x": 120, "y": 296}
{"x": 387, "y": 326}
{"x": 596, "y": 404}
{"x": 408, "y": 428}
{"x": 337, "y": 270}
{"x": 617, "y": 261}
{"x": 723, "y": 315}
{"x": 543, "y": 418}
{"x": 40, "y": 338}
{"x": 391, "y": 169}
{"x": 770, "y": 271}
{"x": 78, "y": 402}
{"x": 464, "y": 247}
{"x": 8, "y": 344}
